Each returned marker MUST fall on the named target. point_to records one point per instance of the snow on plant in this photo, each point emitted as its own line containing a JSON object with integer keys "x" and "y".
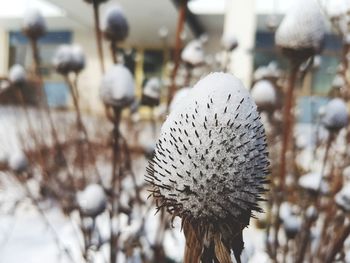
{"x": 17, "y": 75}
{"x": 193, "y": 53}
{"x": 69, "y": 58}
{"x": 210, "y": 165}
{"x": 115, "y": 27}
{"x": 264, "y": 95}
{"x": 34, "y": 25}
{"x": 92, "y": 200}
{"x": 336, "y": 115}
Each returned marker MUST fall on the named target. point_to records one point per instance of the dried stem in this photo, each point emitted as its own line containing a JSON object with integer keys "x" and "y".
{"x": 178, "y": 44}
{"x": 338, "y": 244}
{"x": 114, "y": 51}
{"x": 98, "y": 34}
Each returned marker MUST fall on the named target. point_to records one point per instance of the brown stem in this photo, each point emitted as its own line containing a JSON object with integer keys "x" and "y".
{"x": 178, "y": 44}
{"x": 114, "y": 51}
{"x": 98, "y": 34}
{"x": 36, "y": 57}
{"x": 338, "y": 244}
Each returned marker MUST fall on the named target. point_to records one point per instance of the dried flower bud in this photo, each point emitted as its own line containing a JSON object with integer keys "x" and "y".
{"x": 264, "y": 95}
{"x": 336, "y": 115}
{"x": 151, "y": 92}
{"x": 210, "y": 162}
{"x": 229, "y": 42}
{"x": 116, "y": 26}
{"x": 117, "y": 87}
{"x": 62, "y": 59}
{"x": 92, "y": 200}
{"x": 301, "y": 32}
{"x": 17, "y": 75}
{"x": 18, "y": 162}
{"x": 34, "y": 25}
{"x": 193, "y": 53}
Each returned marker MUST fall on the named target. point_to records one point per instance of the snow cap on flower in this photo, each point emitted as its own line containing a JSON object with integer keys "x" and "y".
{"x": 342, "y": 198}
{"x": 229, "y": 42}
{"x": 337, "y": 8}
{"x": 116, "y": 27}
{"x": 92, "y": 201}
{"x": 152, "y": 88}
{"x": 117, "y": 87}
{"x": 264, "y": 95}
{"x": 193, "y": 53}
{"x": 270, "y": 71}
{"x": 17, "y": 75}
{"x": 336, "y": 115}
{"x": 78, "y": 58}
{"x": 18, "y": 162}
{"x": 302, "y": 29}
{"x": 34, "y": 25}
{"x": 210, "y": 162}
{"x": 338, "y": 81}
{"x": 292, "y": 226}
{"x": 62, "y": 59}
{"x": 313, "y": 182}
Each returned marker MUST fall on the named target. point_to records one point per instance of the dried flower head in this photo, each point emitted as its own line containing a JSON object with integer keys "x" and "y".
{"x": 117, "y": 87}
{"x": 92, "y": 201}
{"x": 264, "y": 95}
{"x": 210, "y": 163}
{"x": 151, "y": 92}
{"x": 229, "y": 42}
{"x": 78, "y": 58}
{"x": 18, "y": 162}
{"x": 34, "y": 25}
{"x": 17, "y": 75}
{"x": 336, "y": 115}
{"x": 68, "y": 58}
{"x": 193, "y": 53}
{"x": 116, "y": 26}
{"x": 301, "y": 32}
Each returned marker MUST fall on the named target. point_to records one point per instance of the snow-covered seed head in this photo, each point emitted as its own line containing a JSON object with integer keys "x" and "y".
{"x": 17, "y": 75}
{"x": 338, "y": 81}
{"x": 193, "y": 53}
{"x": 229, "y": 42}
{"x": 62, "y": 59}
{"x": 115, "y": 26}
{"x": 210, "y": 162}
{"x": 292, "y": 226}
{"x": 301, "y": 32}
{"x": 264, "y": 95}
{"x": 151, "y": 92}
{"x": 342, "y": 198}
{"x": 18, "y": 162}
{"x": 92, "y": 201}
{"x": 78, "y": 58}
{"x": 34, "y": 25}
{"x": 336, "y": 115}
{"x": 117, "y": 87}
{"x": 313, "y": 183}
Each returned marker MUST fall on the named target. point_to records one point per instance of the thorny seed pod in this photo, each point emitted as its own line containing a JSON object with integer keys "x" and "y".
{"x": 116, "y": 26}
{"x": 151, "y": 92}
{"x": 17, "y": 75}
{"x": 117, "y": 87}
{"x": 193, "y": 53}
{"x": 264, "y": 95}
{"x": 34, "y": 25}
{"x": 210, "y": 166}
{"x": 301, "y": 32}
{"x": 336, "y": 115}
{"x": 92, "y": 200}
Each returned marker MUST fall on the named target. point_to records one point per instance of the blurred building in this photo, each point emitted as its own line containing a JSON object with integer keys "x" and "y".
{"x": 71, "y": 21}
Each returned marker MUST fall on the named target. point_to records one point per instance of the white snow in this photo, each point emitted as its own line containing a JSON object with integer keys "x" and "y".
{"x": 18, "y": 162}
{"x": 229, "y": 42}
{"x": 264, "y": 94}
{"x": 336, "y": 115}
{"x": 302, "y": 27}
{"x": 193, "y": 53}
{"x": 62, "y": 59}
{"x": 117, "y": 87}
{"x": 314, "y": 182}
{"x": 179, "y": 96}
{"x": 152, "y": 88}
{"x": 338, "y": 81}
{"x": 92, "y": 200}
{"x": 78, "y": 58}
{"x": 34, "y": 23}
{"x": 17, "y": 74}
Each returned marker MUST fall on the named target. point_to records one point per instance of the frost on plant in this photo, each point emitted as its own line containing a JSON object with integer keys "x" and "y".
{"x": 210, "y": 162}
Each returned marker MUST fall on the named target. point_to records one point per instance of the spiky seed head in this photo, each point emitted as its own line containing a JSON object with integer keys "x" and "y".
{"x": 210, "y": 162}
{"x": 229, "y": 42}
{"x": 115, "y": 27}
{"x": 34, "y": 25}
{"x": 336, "y": 115}
{"x": 92, "y": 201}
{"x": 301, "y": 32}
{"x": 264, "y": 95}
{"x": 193, "y": 53}
{"x": 17, "y": 75}
{"x": 179, "y": 97}
{"x": 151, "y": 92}
{"x": 117, "y": 87}
{"x": 18, "y": 162}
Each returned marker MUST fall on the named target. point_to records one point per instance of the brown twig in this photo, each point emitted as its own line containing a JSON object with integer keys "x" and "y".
{"x": 98, "y": 34}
